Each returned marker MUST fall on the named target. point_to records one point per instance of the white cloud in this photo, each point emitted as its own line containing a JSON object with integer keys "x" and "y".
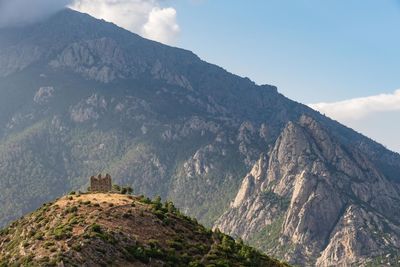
{"x": 162, "y": 25}
{"x": 145, "y": 17}
{"x": 375, "y": 116}
{"x": 360, "y": 108}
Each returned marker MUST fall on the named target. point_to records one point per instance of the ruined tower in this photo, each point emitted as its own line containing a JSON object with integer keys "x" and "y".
{"x": 100, "y": 184}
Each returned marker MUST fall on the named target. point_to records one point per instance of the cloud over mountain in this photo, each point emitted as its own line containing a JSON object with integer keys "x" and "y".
{"x": 162, "y": 25}
{"x": 145, "y": 17}
{"x": 368, "y": 115}
{"x": 359, "y": 108}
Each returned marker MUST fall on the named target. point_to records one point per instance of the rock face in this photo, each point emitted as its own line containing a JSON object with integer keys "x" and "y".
{"x": 312, "y": 200}
{"x": 43, "y": 95}
{"x": 80, "y": 96}
{"x": 101, "y": 60}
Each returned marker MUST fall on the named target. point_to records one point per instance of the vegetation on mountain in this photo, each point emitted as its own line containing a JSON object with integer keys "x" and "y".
{"x": 99, "y": 229}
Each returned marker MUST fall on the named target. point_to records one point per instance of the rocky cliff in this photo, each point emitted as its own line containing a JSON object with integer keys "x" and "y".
{"x": 313, "y": 200}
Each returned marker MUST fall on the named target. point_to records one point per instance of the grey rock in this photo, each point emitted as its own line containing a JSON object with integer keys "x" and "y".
{"x": 43, "y": 95}
{"x": 337, "y": 212}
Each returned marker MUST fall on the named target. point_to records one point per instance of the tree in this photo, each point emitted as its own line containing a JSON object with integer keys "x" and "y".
{"x": 116, "y": 187}
{"x": 157, "y": 203}
{"x": 129, "y": 190}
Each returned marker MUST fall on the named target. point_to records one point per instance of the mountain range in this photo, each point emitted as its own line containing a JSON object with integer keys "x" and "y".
{"x": 80, "y": 96}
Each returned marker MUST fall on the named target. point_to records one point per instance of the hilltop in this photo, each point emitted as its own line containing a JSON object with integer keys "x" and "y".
{"x": 99, "y": 229}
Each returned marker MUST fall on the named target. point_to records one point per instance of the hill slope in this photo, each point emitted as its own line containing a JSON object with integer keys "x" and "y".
{"x": 119, "y": 230}
{"x": 80, "y": 96}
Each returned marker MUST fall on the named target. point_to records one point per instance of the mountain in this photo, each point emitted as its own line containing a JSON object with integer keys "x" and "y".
{"x": 80, "y": 96}
{"x": 102, "y": 229}
{"x": 312, "y": 200}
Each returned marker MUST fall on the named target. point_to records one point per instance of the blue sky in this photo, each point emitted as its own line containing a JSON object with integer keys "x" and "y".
{"x": 313, "y": 50}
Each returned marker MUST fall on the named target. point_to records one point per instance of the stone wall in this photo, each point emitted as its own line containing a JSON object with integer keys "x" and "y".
{"x": 100, "y": 184}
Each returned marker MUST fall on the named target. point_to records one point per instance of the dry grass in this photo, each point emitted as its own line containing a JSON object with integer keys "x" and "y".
{"x": 98, "y": 229}
{"x": 100, "y": 198}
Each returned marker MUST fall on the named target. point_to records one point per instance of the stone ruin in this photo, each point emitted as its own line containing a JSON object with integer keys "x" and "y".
{"x": 100, "y": 184}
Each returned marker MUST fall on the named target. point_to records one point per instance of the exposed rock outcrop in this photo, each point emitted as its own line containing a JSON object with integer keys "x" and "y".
{"x": 101, "y": 60}
{"x": 327, "y": 203}
{"x": 43, "y": 95}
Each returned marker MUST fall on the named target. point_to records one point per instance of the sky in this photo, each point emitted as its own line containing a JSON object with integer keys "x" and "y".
{"x": 341, "y": 57}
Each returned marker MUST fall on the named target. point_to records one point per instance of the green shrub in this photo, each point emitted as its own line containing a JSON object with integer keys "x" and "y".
{"x": 62, "y": 231}
{"x": 71, "y": 209}
{"x": 116, "y": 187}
{"x": 76, "y": 247}
{"x": 169, "y": 206}
{"x": 3, "y": 232}
{"x": 160, "y": 215}
{"x": 145, "y": 200}
{"x": 138, "y": 253}
{"x": 153, "y": 243}
{"x": 227, "y": 243}
{"x": 73, "y": 221}
{"x": 96, "y": 228}
{"x": 48, "y": 244}
{"x": 195, "y": 263}
{"x": 176, "y": 244}
{"x": 129, "y": 190}
{"x": 39, "y": 236}
{"x": 126, "y": 215}
{"x": 166, "y": 221}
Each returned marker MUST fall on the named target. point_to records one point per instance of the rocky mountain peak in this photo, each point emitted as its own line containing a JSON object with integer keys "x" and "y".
{"x": 318, "y": 196}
